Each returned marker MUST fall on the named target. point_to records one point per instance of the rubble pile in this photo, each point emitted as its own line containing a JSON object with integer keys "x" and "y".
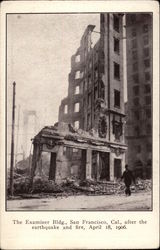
{"x": 143, "y": 184}
{"x": 108, "y": 187}
{"x": 99, "y": 187}
{"x": 87, "y": 187}
{"x": 76, "y": 187}
{"x": 21, "y": 185}
{"x": 40, "y": 185}
{"x": 43, "y": 185}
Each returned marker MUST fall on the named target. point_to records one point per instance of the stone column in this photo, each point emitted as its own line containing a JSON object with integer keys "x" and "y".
{"x": 83, "y": 165}
{"x": 111, "y": 164}
{"x": 98, "y": 173}
{"x": 59, "y": 164}
{"x": 39, "y": 164}
{"x": 88, "y": 163}
{"x": 123, "y": 163}
{"x": 35, "y": 159}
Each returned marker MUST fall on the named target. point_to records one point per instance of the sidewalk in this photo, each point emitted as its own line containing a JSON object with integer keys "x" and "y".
{"x": 137, "y": 201}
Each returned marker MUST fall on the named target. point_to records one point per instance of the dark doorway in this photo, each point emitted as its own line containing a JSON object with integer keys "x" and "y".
{"x": 94, "y": 165}
{"x": 104, "y": 173}
{"x": 100, "y": 165}
{"x": 52, "y": 170}
{"x": 83, "y": 165}
{"x": 117, "y": 168}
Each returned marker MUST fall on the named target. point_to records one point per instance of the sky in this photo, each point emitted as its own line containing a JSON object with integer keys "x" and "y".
{"x": 39, "y": 51}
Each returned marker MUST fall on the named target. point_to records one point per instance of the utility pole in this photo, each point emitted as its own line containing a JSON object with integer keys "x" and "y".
{"x": 16, "y": 153}
{"x": 12, "y": 141}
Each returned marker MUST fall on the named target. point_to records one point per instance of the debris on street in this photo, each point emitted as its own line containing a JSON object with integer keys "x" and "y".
{"x": 44, "y": 187}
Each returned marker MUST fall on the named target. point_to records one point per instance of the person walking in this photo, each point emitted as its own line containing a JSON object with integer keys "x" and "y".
{"x": 128, "y": 178}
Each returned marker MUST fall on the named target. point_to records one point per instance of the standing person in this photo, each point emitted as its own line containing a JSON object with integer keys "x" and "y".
{"x": 128, "y": 178}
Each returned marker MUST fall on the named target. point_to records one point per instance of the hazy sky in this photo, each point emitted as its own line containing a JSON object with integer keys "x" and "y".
{"x": 40, "y": 47}
{"x": 39, "y": 50}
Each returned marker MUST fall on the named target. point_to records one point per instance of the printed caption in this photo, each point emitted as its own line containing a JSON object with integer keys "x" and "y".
{"x": 93, "y": 225}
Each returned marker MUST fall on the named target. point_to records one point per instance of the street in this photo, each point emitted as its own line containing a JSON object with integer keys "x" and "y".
{"x": 137, "y": 201}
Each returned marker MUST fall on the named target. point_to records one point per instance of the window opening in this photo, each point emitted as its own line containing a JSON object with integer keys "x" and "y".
{"x": 66, "y": 109}
{"x": 147, "y": 63}
{"x": 147, "y": 88}
{"x": 116, "y": 23}
{"x": 116, "y": 70}
{"x": 148, "y": 100}
{"x": 136, "y": 78}
{"x": 77, "y": 90}
{"x": 76, "y": 107}
{"x": 116, "y": 45}
{"x": 116, "y": 98}
{"x": 147, "y": 76}
{"x": 136, "y": 90}
{"x": 77, "y": 75}
{"x": 146, "y": 52}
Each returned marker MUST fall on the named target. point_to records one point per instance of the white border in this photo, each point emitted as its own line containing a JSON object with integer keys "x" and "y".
{"x": 21, "y": 237}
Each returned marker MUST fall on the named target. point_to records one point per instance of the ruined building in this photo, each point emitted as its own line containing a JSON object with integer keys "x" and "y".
{"x": 95, "y": 102}
{"x": 139, "y": 105}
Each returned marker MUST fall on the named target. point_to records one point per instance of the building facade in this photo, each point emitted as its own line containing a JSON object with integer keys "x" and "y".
{"x": 139, "y": 82}
{"x": 95, "y": 101}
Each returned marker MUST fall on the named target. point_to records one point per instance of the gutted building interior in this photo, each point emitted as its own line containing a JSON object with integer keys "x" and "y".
{"x": 95, "y": 101}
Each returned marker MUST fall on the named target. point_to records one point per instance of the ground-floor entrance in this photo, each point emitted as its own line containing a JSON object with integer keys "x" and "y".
{"x": 100, "y": 165}
{"x": 52, "y": 169}
{"x": 117, "y": 168}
